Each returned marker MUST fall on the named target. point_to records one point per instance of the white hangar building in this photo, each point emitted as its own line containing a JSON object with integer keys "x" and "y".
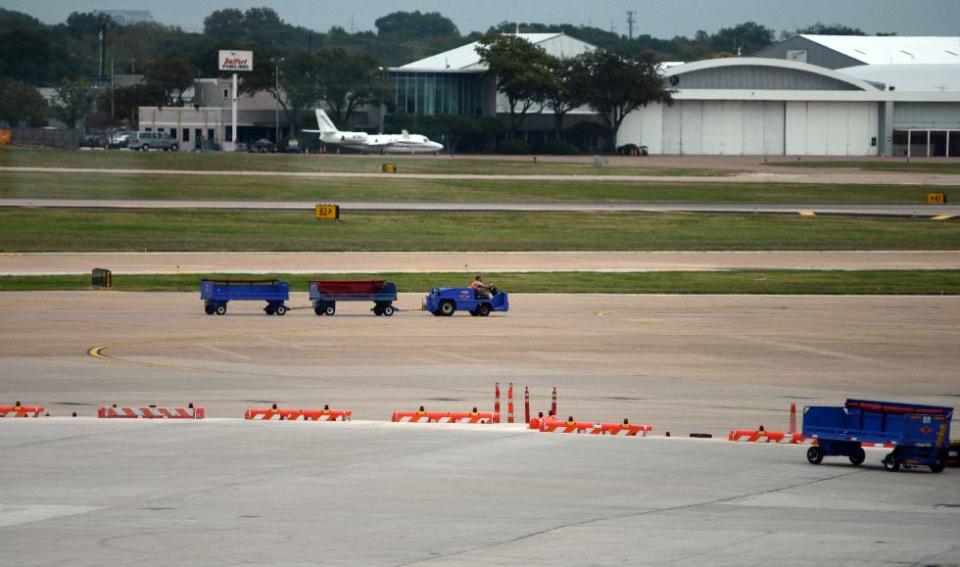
{"x": 782, "y": 106}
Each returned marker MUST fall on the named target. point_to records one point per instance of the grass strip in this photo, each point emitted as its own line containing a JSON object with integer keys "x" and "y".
{"x": 213, "y": 188}
{"x": 793, "y": 282}
{"x": 527, "y": 165}
{"x": 66, "y": 230}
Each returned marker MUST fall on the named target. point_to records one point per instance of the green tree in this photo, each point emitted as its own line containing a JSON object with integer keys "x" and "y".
{"x": 744, "y": 38}
{"x": 73, "y": 101}
{"x": 415, "y": 24}
{"x": 25, "y": 49}
{"x": 171, "y": 75}
{"x": 521, "y": 71}
{"x": 349, "y": 81}
{"x": 559, "y": 94}
{"x": 21, "y": 103}
{"x": 226, "y": 25}
{"x": 831, "y": 29}
{"x": 616, "y": 85}
{"x": 299, "y": 83}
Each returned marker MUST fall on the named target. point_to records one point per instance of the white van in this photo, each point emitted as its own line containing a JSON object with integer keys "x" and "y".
{"x": 152, "y": 141}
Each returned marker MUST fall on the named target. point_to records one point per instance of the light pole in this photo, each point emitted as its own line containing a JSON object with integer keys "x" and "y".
{"x": 276, "y": 98}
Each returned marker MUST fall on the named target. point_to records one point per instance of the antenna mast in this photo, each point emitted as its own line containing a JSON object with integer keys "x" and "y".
{"x": 630, "y": 21}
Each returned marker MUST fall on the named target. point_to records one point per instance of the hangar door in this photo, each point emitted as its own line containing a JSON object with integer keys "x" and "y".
{"x": 832, "y": 128}
{"x": 724, "y": 127}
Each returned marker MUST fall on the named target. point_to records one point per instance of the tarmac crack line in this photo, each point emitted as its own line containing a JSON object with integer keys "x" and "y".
{"x": 626, "y": 516}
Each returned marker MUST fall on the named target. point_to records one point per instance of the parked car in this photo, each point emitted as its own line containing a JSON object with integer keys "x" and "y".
{"x": 241, "y": 147}
{"x": 263, "y": 146}
{"x": 94, "y": 141}
{"x": 119, "y": 140}
{"x": 293, "y": 146}
{"x": 152, "y": 141}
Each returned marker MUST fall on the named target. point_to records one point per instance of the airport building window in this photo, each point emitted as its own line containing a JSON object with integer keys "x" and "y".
{"x": 433, "y": 94}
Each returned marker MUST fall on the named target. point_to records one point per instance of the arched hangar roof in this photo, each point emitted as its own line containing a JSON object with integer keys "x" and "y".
{"x": 754, "y": 73}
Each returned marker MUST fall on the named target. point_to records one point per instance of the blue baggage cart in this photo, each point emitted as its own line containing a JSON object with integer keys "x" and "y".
{"x": 326, "y": 293}
{"x": 217, "y": 293}
{"x": 919, "y": 434}
{"x": 445, "y": 301}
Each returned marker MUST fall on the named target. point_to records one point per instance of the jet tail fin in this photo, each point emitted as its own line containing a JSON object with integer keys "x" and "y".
{"x": 324, "y": 122}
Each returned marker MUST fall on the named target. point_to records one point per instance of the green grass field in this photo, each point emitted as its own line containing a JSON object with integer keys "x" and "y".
{"x": 116, "y": 159}
{"x": 918, "y": 166}
{"x": 752, "y": 282}
{"x": 212, "y": 188}
{"x": 70, "y": 230}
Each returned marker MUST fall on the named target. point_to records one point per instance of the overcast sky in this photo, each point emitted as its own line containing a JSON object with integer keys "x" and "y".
{"x": 659, "y": 18}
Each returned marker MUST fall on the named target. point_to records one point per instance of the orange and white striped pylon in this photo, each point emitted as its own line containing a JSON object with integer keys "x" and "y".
{"x": 510, "y": 404}
{"x": 496, "y": 399}
{"x": 757, "y": 436}
{"x": 151, "y": 412}
{"x": 17, "y": 410}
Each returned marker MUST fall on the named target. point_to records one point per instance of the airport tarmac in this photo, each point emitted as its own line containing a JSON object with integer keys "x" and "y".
{"x": 681, "y": 363}
{"x": 229, "y": 492}
{"x": 57, "y": 263}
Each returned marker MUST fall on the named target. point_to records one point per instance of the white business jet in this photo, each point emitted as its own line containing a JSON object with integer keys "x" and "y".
{"x": 405, "y": 143}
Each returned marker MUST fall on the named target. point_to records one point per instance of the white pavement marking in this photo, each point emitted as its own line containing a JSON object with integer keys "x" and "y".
{"x": 16, "y": 514}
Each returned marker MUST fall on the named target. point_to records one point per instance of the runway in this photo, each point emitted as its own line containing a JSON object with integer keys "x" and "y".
{"x": 24, "y": 264}
{"x": 945, "y": 211}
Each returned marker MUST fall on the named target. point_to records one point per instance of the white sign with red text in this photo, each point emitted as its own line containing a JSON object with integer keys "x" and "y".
{"x": 235, "y": 61}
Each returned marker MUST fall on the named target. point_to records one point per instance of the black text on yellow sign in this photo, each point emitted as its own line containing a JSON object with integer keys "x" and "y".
{"x": 936, "y": 198}
{"x": 327, "y": 212}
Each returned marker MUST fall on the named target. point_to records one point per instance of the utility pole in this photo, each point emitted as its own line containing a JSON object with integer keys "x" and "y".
{"x": 112, "y": 87}
{"x": 630, "y": 20}
{"x": 276, "y": 98}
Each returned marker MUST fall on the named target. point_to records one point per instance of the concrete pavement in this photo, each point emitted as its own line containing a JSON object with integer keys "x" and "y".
{"x": 411, "y": 262}
{"x": 228, "y": 492}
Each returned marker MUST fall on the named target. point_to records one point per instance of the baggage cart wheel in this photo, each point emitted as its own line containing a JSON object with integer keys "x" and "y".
{"x": 815, "y": 455}
{"x": 483, "y": 310}
{"x": 329, "y": 309}
{"x": 858, "y": 456}
{"x": 281, "y": 310}
{"x": 209, "y": 309}
{"x": 268, "y": 309}
{"x": 436, "y": 313}
{"x": 891, "y": 462}
{"x": 221, "y": 309}
{"x": 474, "y": 313}
{"x": 389, "y": 310}
{"x": 938, "y": 465}
{"x": 447, "y": 308}
{"x": 318, "y": 310}
{"x": 377, "y": 310}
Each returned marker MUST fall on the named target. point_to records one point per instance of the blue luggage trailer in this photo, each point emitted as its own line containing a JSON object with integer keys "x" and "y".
{"x": 445, "y": 301}
{"x": 326, "y": 293}
{"x": 920, "y": 434}
{"x": 217, "y": 293}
